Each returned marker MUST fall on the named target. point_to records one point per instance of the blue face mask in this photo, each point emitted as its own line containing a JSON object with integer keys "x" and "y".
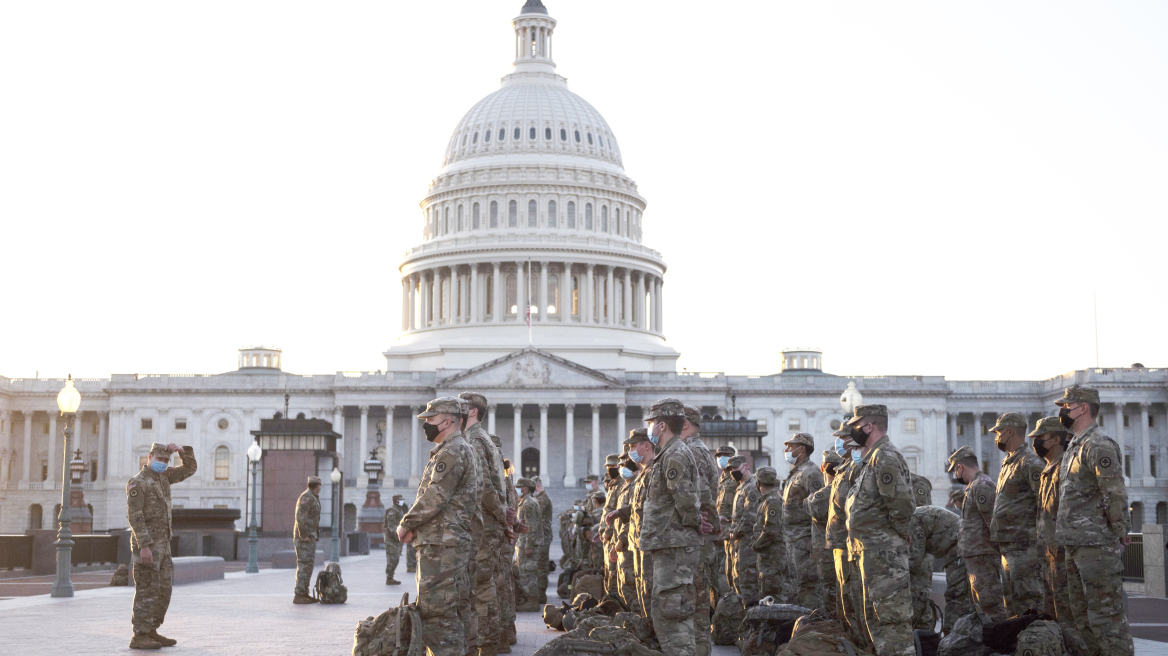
{"x": 723, "y": 462}
{"x": 655, "y": 434}
{"x": 790, "y": 458}
{"x": 635, "y": 456}
{"x": 626, "y": 473}
{"x": 839, "y": 448}
{"x": 158, "y": 467}
{"x": 856, "y": 457}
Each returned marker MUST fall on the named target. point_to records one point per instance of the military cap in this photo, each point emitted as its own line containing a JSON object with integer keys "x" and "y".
{"x": 868, "y": 410}
{"x": 397, "y": 497}
{"x": 599, "y": 494}
{"x": 804, "y": 439}
{"x": 313, "y": 480}
{"x": 845, "y": 431}
{"x": 832, "y": 458}
{"x": 1048, "y": 425}
{"x": 766, "y": 476}
{"x": 725, "y": 450}
{"x": 535, "y": 480}
{"x": 666, "y": 408}
{"x": 736, "y": 461}
{"x": 1079, "y": 394}
{"x": 636, "y": 436}
{"x": 957, "y": 496}
{"x": 524, "y": 482}
{"x": 960, "y": 454}
{"x": 612, "y": 460}
{"x": 1009, "y": 420}
{"x": 692, "y": 415}
{"x": 591, "y": 477}
{"x": 444, "y": 405}
{"x": 922, "y": 490}
{"x": 158, "y": 448}
{"x": 473, "y": 398}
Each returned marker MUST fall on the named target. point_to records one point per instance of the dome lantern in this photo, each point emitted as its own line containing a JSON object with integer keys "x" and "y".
{"x": 533, "y": 39}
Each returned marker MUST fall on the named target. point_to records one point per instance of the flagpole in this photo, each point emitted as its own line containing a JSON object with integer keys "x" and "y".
{"x": 529, "y": 273}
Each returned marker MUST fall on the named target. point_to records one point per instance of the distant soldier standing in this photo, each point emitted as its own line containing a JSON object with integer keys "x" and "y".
{"x": 505, "y": 582}
{"x": 746, "y": 502}
{"x": 803, "y": 480}
{"x": 817, "y": 506}
{"x": 707, "y": 493}
{"x": 847, "y": 574}
{"x": 613, "y": 483}
{"x": 768, "y": 543}
{"x": 621, "y": 521}
{"x": 1092, "y": 524}
{"x": 1012, "y": 527}
{"x": 545, "y": 527}
{"x": 982, "y": 561}
{"x": 148, "y": 511}
{"x": 727, "y": 486}
{"x": 304, "y": 536}
{"x": 393, "y": 548}
{"x": 528, "y": 548}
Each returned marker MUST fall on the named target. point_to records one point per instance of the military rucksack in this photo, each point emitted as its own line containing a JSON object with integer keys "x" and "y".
{"x": 593, "y": 584}
{"x": 396, "y": 632}
{"x": 727, "y": 619}
{"x": 121, "y": 576}
{"x": 766, "y": 626}
{"x": 330, "y": 588}
{"x": 965, "y": 638}
{"x": 1041, "y": 638}
{"x": 818, "y": 635}
{"x": 600, "y": 641}
{"x": 1002, "y": 637}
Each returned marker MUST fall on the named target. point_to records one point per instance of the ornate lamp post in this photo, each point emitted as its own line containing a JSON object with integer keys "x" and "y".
{"x": 68, "y": 401}
{"x": 336, "y": 479}
{"x": 254, "y": 453}
{"x": 850, "y": 399}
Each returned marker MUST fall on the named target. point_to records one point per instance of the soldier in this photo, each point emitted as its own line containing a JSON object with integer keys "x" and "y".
{"x": 803, "y": 480}
{"x": 935, "y": 535}
{"x": 613, "y": 484}
{"x": 1012, "y": 527}
{"x": 505, "y": 575}
{"x": 393, "y": 515}
{"x": 305, "y": 536}
{"x": 441, "y": 525}
{"x": 545, "y": 544}
{"x": 673, "y": 529}
{"x": 817, "y": 506}
{"x": 742, "y": 520}
{"x": 527, "y": 549}
{"x": 847, "y": 575}
{"x": 880, "y": 508}
{"x": 591, "y": 484}
{"x": 641, "y": 453}
{"x": 148, "y": 511}
{"x": 624, "y": 542}
{"x": 1050, "y": 439}
{"x": 1092, "y": 524}
{"x": 727, "y": 487}
{"x": 768, "y": 542}
{"x": 708, "y": 486}
{"x": 982, "y": 561}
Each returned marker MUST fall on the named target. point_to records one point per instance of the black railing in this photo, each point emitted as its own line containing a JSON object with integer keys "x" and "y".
{"x": 15, "y": 552}
{"x": 90, "y": 549}
{"x": 1133, "y": 558}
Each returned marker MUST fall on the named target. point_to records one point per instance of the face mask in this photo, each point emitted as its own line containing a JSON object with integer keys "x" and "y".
{"x": 859, "y": 436}
{"x": 856, "y": 457}
{"x": 1065, "y": 418}
{"x": 1000, "y": 444}
{"x": 636, "y": 456}
{"x": 790, "y": 458}
{"x": 655, "y": 433}
{"x": 626, "y": 473}
{"x": 738, "y": 476}
{"x": 723, "y": 462}
{"x": 158, "y": 467}
{"x": 1040, "y": 447}
{"x": 613, "y": 473}
{"x": 839, "y": 448}
{"x": 431, "y": 431}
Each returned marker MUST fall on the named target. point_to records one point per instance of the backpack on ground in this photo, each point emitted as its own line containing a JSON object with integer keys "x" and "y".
{"x": 330, "y": 589}
{"x": 564, "y": 582}
{"x": 121, "y": 576}
{"x": 1041, "y": 638}
{"x": 396, "y": 632}
{"x": 728, "y": 616}
{"x": 965, "y": 638}
{"x": 1002, "y": 637}
{"x": 593, "y": 584}
{"x": 601, "y": 641}
{"x": 766, "y": 626}
{"x": 926, "y": 642}
{"x": 817, "y": 635}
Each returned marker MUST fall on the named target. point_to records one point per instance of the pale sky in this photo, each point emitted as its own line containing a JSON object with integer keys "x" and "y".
{"x": 914, "y": 187}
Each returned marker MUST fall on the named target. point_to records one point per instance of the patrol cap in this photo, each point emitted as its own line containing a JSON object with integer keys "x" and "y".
{"x": 1009, "y": 420}
{"x": 726, "y": 450}
{"x": 1079, "y": 394}
{"x": 957, "y": 497}
{"x": 803, "y": 439}
{"x": 869, "y": 410}
{"x": 535, "y": 480}
{"x": 443, "y": 405}
{"x": 158, "y": 448}
{"x": 845, "y": 431}
{"x": 524, "y": 482}
{"x": 692, "y": 414}
{"x": 313, "y": 480}
{"x": 599, "y": 494}
{"x": 766, "y": 476}
{"x": 612, "y": 460}
{"x": 960, "y": 454}
{"x": 830, "y": 457}
{"x": 397, "y": 497}
{"x": 736, "y": 461}
{"x": 922, "y": 490}
{"x": 591, "y": 477}
{"x": 473, "y": 398}
{"x": 636, "y": 436}
{"x": 665, "y": 408}
{"x": 1048, "y": 425}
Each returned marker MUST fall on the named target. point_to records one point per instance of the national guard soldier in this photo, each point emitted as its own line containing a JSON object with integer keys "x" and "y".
{"x": 613, "y": 484}
{"x": 935, "y": 535}
{"x": 708, "y": 484}
{"x": 880, "y": 508}
{"x": 742, "y": 519}
{"x": 803, "y": 480}
{"x": 633, "y": 511}
{"x": 305, "y": 535}
{"x": 441, "y": 525}
{"x": 624, "y": 542}
{"x": 847, "y": 574}
{"x": 505, "y": 575}
{"x": 393, "y": 515}
{"x": 817, "y": 506}
{"x": 545, "y": 544}
{"x": 1092, "y": 525}
{"x": 727, "y": 486}
{"x": 148, "y": 511}
{"x": 1012, "y": 527}
{"x": 1050, "y": 439}
{"x": 768, "y": 542}
{"x": 982, "y": 561}
{"x": 527, "y": 549}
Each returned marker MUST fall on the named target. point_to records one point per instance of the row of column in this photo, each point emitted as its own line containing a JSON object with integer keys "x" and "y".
{"x": 82, "y": 435}
{"x": 524, "y": 36}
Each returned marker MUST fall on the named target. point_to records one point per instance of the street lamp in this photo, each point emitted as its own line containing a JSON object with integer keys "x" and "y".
{"x": 336, "y": 478}
{"x": 68, "y": 400}
{"x": 850, "y": 399}
{"x": 530, "y": 433}
{"x": 254, "y": 453}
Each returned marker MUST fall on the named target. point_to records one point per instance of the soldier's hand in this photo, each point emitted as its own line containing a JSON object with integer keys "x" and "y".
{"x": 509, "y": 533}
{"x": 723, "y": 519}
{"x": 172, "y": 447}
{"x": 510, "y": 516}
{"x": 147, "y": 556}
{"x": 610, "y": 517}
{"x": 524, "y": 528}
{"x": 401, "y": 534}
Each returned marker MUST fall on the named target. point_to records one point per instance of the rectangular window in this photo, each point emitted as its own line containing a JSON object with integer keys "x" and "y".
{"x": 792, "y": 424}
{"x": 1125, "y": 421}
{"x": 180, "y": 424}
{"x": 910, "y": 426}
{"x": 961, "y": 429}
{"x": 45, "y": 428}
{"x": 1152, "y": 465}
{"x": 92, "y": 471}
{"x": 147, "y": 424}
{"x": 1127, "y": 466}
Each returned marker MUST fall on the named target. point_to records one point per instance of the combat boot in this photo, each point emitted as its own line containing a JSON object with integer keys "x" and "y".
{"x": 304, "y": 599}
{"x": 161, "y": 639}
{"x": 389, "y": 580}
{"x": 502, "y": 646}
{"x": 143, "y": 641}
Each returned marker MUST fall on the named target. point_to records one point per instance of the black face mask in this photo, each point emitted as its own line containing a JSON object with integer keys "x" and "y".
{"x": 613, "y": 473}
{"x": 859, "y": 437}
{"x": 1001, "y": 445}
{"x": 1040, "y": 447}
{"x": 431, "y": 431}
{"x": 1065, "y": 418}
{"x": 738, "y": 476}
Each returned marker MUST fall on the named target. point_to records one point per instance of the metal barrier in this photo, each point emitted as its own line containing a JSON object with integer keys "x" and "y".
{"x": 15, "y": 552}
{"x": 1133, "y": 558}
{"x": 90, "y": 549}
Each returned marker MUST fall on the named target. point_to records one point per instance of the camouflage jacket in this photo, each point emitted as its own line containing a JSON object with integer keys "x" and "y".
{"x": 976, "y": 513}
{"x": 307, "y": 517}
{"x": 1016, "y": 497}
{"x": 493, "y": 501}
{"x": 529, "y": 514}
{"x": 727, "y": 489}
{"x": 880, "y": 503}
{"x": 935, "y": 533}
{"x": 768, "y": 523}
{"x": 1092, "y": 496}
{"x": 637, "y": 507}
{"x": 545, "y": 517}
{"x": 816, "y": 506}
{"x": 148, "y": 506}
{"x": 393, "y": 516}
{"x": 448, "y": 496}
{"x": 672, "y": 499}
{"x": 803, "y": 481}
{"x": 746, "y": 503}
{"x": 611, "y": 503}
{"x": 621, "y": 524}
{"x": 708, "y": 481}
{"x": 1048, "y": 504}
{"x": 836, "y": 536}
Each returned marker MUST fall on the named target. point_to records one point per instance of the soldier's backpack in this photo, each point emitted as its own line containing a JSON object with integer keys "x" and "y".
{"x": 1002, "y": 637}
{"x": 553, "y": 616}
{"x": 926, "y": 642}
{"x": 330, "y": 588}
{"x": 727, "y": 619}
{"x": 1041, "y": 638}
{"x": 766, "y": 626}
{"x": 396, "y": 632}
{"x": 600, "y": 641}
{"x": 965, "y": 638}
{"x": 593, "y": 584}
{"x": 121, "y": 576}
{"x": 564, "y": 581}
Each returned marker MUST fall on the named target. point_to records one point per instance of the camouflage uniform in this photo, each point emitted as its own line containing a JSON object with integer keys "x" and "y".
{"x": 936, "y": 532}
{"x": 982, "y": 562}
{"x": 1012, "y": 526}
{"x": 803, "y": 481}
{"x": 527, "y": 597}
{"x": 504, "y": 568}
{"x": 643, "y": 562}
{"x": 545, "y": 525}
{"x": 148, "y": 508}
{"x": 745, "y": 561}
{"x": 305, "y": 536}
{"x": 707, "y": 469}
{"x": 817, "y": 505}
{"x": 443, "y": 520}
{"x": 493, "y": 504}
{"x": 727, "y": 489}
{"x": 847, "y": 575}
{"x": 612, "y": 488}
{"x": 624, "y": 545}
{"x": 1091, "y": 523}
{"x": 880, "y": 508}
{"x": 768, "y": 540}
{"x": 393, "y": 548}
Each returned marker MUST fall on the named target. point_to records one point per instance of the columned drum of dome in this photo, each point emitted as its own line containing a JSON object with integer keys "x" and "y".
{"x": 532, "y": 215}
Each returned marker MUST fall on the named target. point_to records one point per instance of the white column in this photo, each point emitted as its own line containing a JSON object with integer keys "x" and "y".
{"x": 590, "y": 292}
{"x": 1145, "y": 449}
{"x": 405, "y": 299}
{"x": 517, "y": 440}
{"x": 27, "y": 444}
{"x": 627, "y": 297}
{"x": 565, "y": 306}
{"x": 497, "y": 310}
{"x": 1117, "y": 435}
{"x": 596, "y": 438}
{"x": 415, "y": 425}
{"x": 977, "y": 442}
{"x": 952, "y": 437}
{"x": 474, "y": 294}
{"x": 610, "y": 297}
{"x": 570, "y": 444}
{"x": 54, "y": 457}
{"x": 411, "y": 311}
{"x": 389, "y": 460}
{"x": 543, "y": 295}
{"x": 543, "y": 442}
{"x": 426, "y": 288}
{"x": 196, "y": 428}
{"x": 339, "y": 427}
{"x": 103, "y": 445}
{"x": 8, "y": 449}
{"x": 657, "y": 323}
{"x": 491, "y": 419}
{"x": 661, "y": 305}
{"x": 620, "y": 427}
{"x": 363, "y": 481}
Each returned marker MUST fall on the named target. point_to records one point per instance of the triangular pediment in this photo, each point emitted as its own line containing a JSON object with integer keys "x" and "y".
{"x": 531, "y": 368}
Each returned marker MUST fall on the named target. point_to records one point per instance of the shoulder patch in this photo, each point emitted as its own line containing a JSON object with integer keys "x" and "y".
{"x": 1105, "y": 462}
{"x": 981, "y": 498}
{"x": 133, "y": 492}
{"x": 671, "y": 474}
{"x": 1036, "y": 475}
{"x": 886, "y": 478}
{"x": 920, "y": 491}
{"x": 440, "y": 467}
{"x": 304, "y": 500}
{"x": 132, "y": 485}
{"x": 816, "y": 484}
{"x": 771, "y": 513}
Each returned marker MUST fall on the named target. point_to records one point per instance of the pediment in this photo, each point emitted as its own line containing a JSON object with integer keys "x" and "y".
{"x": 531, "y": 368}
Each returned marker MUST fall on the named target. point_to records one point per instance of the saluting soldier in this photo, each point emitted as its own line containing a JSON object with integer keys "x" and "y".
{"x": 148, "y": 508}
{"x": 305, "y": 536}
{"x": 803, "y": 480}
{"x": 1015, "y": 510}
{"x": 817, "y": 506}
{"x": 847, "y": 574}
{"x": 982, "y": 561}
{"x": 768, "y": 542}
{"x": 746, "y": 503}
{"x": 393, "y": 515}
{"x": 727, "y": 486}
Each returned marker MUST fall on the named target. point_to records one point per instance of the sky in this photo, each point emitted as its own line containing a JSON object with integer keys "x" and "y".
{"x": 915, "y": 188}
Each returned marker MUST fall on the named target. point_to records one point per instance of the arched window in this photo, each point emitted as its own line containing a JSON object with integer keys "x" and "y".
{"x": 512, "y": 214}
{"x": 475, "y": 138}
{"x": 502, "y": 133}
{"x": 547, "y": 134}
{"x": 512, "y": 294}
{"x": 494, "y": 214}
{"x": 571, "y": 214}
{"x": 600, "y": 140}
{"x": 486, "y": 136}
{"x": 461, "y": 225}
{"x": 577, "y": 136}
{"x": 563, "y": 134}
{"x": 474, "y": 218}
{"x": 551, "y": 213}
{"x": 587, "y": 216}
{"x": 604, "y": 218}
{"x": 222, "y": 463}
{"x": 589, "y": 138}
{"x": 516, "y": 135}
{"x": 553, "y": 294}
{"x": 531, "y": 133}
{"x": 532, "y": 214}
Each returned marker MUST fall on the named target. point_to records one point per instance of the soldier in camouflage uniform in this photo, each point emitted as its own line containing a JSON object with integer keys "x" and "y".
{"x": 393, "y": 515}
{"x": 1012, "y": 527}
{"x": 803, "y": 480}
{"x": 708, "y": 487}
{"x": 1050, "y": 438}
{"x": 505, "y": 574}
{"x": 305, "y": 536}
{"x": 623, "y": 542}
{"x": 545, "y": 544}
{"x": 148, "y": 509}
{"x": 817, "y": 505}
{"x": 1092, "y": 524}
{"x": 527, "y": 548}
{"x": 768, "y": 541}
{"x": 847, "y": 573}
{"x": 632, "y": 511}
{"x": 742, "y": 520}
{"x": 441, "y": 525}
{"x": 727, "y": 487}
{"x": 935, "y": 535}
{"x": 880, "y": 509}
{"x": 613, "y": 483}
{"x": 982, "y": 561}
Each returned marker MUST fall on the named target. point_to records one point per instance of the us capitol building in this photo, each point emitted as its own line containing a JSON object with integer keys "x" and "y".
{"x": 532, "y": 208}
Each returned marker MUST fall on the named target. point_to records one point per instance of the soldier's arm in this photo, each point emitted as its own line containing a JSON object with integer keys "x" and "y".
{"x": 679, "y": 481}
{"x": 186, "y": 469}
{"x": 707, "y": 503}
{"x": 135, "y": 505}
{"x": 750, "y": 509}
{"x": 898, "y": 498}
{"x": 448, "y": 470}
{"x": 984, "y": 498}
{"x": 765, "y": 526}
{"x": 1104, "y": 459}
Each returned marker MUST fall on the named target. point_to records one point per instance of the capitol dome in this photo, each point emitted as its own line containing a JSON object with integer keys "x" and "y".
{"x": 531, "y": 234}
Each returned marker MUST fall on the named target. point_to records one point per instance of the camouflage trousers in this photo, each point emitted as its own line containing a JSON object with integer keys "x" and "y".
{"x": 745, "y": 571}
{"x": 828, "y": 587}
{"x": 673, "y": 610}
{"x": 443, "y": 582}
{"x": 505, "y": 586}
{"x": 804, "y": 575}
{"x": 611, "y": 575}
{"x": 851, "y": 591}
{"x": 305, "y": 561}
{"x": 1057, "y": 601}
{"x": 486, "y": 595}
{"x": 527, "y": 596}
{"x": 411, "y": 558}
{"x": 152, "y": 586}
{"x": 544, "y": 559}
{"x": 887, "y": 600}
{"x": 1021, "y": 577}
{"x": 393, "y": 550}
{"x": 627, "y": 575}
{"x": 728, "y": 561}
{"x": 468, "y": 610}
{"x": 644, "y": 573}
{"x": 958, "y": 598}
{"x": 714, "y": 556}
{"x": 703, "y": 639}
{"x": 985, "y": 579}
{"x": 772, "y": 573}
{"x": 1095, "y": 593}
